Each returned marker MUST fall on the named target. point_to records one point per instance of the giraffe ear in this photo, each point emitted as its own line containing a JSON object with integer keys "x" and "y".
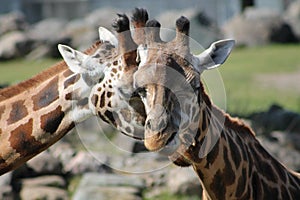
{"x": 214, "y": 56}
{"x": 106, "y": 35}
{"x": 73, "y": 58}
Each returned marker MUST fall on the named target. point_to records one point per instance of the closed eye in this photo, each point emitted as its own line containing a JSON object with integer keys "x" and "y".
{"x": 142, "y": 92}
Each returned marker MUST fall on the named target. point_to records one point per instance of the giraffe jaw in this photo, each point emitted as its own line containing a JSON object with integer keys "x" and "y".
{"x": 172, "y": 145}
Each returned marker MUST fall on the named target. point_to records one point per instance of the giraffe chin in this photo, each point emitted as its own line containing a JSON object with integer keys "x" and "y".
{"x": 171, "y": 146}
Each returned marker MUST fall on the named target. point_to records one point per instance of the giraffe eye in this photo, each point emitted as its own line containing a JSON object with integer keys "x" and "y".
{"x": 142, "y": 92}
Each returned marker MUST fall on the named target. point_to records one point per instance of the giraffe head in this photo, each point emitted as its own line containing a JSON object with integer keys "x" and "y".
{"x": 109, "y": 72}
{"x": 168, "y": 82}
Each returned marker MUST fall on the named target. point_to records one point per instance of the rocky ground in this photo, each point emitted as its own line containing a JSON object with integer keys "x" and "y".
{"x": 95, "y": 162}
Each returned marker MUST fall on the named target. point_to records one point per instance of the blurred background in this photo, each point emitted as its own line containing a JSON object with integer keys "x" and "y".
{"x": 261, "y": 81}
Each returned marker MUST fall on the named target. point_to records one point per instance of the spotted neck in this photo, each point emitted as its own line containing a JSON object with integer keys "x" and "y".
{"x": 236, "y": 165}
{"x": 38, "y": 112}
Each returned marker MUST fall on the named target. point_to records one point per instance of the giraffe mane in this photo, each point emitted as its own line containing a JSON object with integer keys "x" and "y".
{"x": 41, "y": 77}
{"x": 229, "y": 122}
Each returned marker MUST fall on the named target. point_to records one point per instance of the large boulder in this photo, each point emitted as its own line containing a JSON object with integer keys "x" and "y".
{"x": 101, "y": 17}
{"x": 81, "y": 33}
{"x": 14, "y": 44}
{"x": 43, "y": 192}
{"x": 6, "y": 190}
{"x": 14, "y": 21}
{"x": 276, "y": 118}
{"x": 47, "y": 34}
{"x": 86, "y": 161}
{"x": 45, "y": 163}
{"x": 292, "y": 16}
{"x": 258, "y": 27}
{"x": 184, "y": 181}
{"x": 109, "y": 186}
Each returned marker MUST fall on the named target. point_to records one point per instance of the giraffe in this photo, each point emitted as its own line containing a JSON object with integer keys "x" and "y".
{"x": 38, "y": 112}
{"x": 183, "y": 123}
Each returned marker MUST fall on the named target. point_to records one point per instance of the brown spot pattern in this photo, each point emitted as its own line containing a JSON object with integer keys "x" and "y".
{"x": 229, "y": 175}
{"x": 241, "y": 186}
{"x": 102, "y": 100}
{"x": 95, "y": 99}
{"x": 217, "y": 186}
{"x": 47, "y": 95}
{"x": 51, "y": 121}
{"x": 22, "y": 141}
{"x": 70, "y": 81}
{"x": 18, "y": 112}
{"x": 2, "y": 109}
{"x": 68, "y": 73}
{"x": 114, "y": 70}
{"x": 69, "y": 96}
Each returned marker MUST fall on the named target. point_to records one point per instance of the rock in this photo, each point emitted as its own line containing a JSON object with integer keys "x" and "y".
{"x": 50, "y": 181}
{"x": 289, "y": 140}
{"x": 14, "y": 21}
{"x": 5, "y": 179}
{"x": 84, "y": 162}
{"x": 45, "y": 163}
{"x": 47, "y": 30}
{"x": 81, "y": 34}
{"x": 276, "y": 118}
{"x": 101, "y": 17}
{"x": 109, "y": 186}
{"x": 258, "y": 27}
{"x": 43, "y": 192}
{"x": 292, "y": 16}
{"x": 184, "y": 181}
{"x": 104, "y": 193}
{"x": 96, "y": 179}
{"x": 289, "y": 157}
{"x": 14, "y": 44}
{"x": 47, "y": 37}
{"x": 6, "y": 192}
{"x": 63, "y": 152}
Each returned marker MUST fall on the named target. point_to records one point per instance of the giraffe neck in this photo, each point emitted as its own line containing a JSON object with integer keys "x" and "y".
{"x": 236, "y": 166}
{"x": 38, "y": 112}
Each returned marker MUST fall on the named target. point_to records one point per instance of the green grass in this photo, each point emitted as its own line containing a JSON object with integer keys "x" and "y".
{"x": 15, "y": 71}
{"x": 244, "y": 94}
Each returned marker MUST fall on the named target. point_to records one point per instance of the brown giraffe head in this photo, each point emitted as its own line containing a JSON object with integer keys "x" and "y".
{"x": 168, "y": 82}
{"x": 110, "y": 72}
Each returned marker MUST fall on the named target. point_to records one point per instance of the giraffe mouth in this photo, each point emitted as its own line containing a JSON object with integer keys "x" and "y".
{"x": 172, "y": 145}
